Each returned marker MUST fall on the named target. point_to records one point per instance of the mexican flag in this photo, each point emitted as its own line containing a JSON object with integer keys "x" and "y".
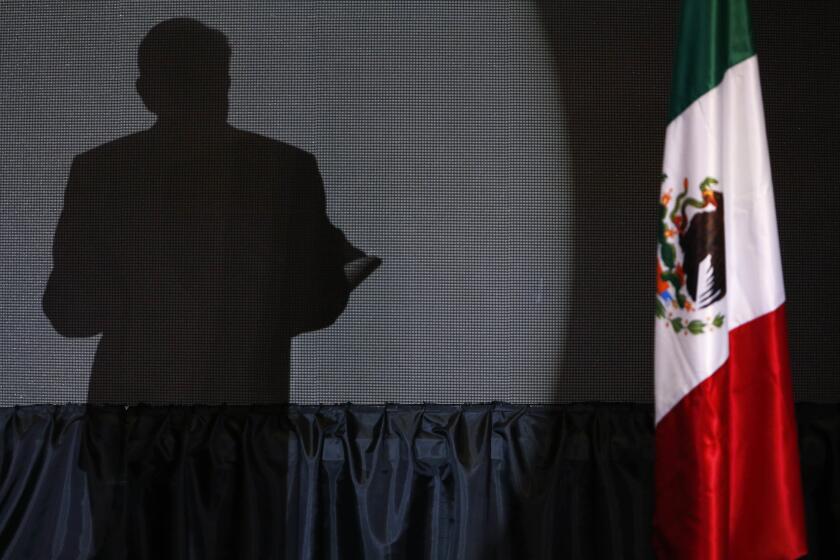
{"x": 727, "y": 465}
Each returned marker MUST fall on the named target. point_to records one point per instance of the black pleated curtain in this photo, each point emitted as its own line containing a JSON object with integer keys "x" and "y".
{"x": 433, "y": 481}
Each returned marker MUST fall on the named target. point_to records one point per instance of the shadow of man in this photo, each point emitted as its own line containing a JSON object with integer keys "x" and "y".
{"x": 197, "y": 250}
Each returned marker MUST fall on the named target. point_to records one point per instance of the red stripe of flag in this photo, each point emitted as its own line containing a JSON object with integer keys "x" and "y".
{"x": 726, "y": 486}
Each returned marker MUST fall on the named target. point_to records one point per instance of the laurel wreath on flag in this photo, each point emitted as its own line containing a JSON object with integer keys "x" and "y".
{"x": 673, "y": 304}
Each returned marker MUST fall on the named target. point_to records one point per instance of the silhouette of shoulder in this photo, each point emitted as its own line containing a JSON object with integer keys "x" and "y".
{"x": 118, "y": 148}
{"x": 137, "y": 142}
{"x": 287, "y": 151}
{"x": 301, "y": 180}
{"x": 129, "y": 156}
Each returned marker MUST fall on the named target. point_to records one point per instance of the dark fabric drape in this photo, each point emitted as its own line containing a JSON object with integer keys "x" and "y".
{"x": 819, "y": 450}
{"x": 433, "y": 481}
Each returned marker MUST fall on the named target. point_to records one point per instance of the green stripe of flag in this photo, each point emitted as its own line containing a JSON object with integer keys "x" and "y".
{"x": 714, "y": 35}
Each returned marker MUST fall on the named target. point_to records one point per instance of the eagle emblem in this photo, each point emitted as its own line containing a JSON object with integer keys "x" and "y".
{"x": 691, "y": 259}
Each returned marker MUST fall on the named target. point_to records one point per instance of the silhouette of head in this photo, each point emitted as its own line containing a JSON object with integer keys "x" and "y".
{"x": 184, "y": 72}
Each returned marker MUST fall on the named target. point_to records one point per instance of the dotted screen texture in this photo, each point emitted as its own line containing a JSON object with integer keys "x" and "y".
{"x": 502, "y": 158}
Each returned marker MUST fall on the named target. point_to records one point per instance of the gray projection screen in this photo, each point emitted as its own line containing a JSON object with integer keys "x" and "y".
{"x": 502, "y": 159}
